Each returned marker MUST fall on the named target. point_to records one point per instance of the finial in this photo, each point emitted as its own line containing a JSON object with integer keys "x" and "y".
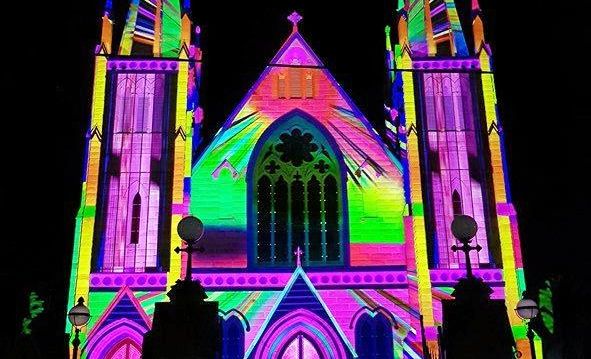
{"x": 108, "y": 7}
{"x": 298, "y": 254}
{"x": 475, "y": 9}
{"x": 295, "y": 18}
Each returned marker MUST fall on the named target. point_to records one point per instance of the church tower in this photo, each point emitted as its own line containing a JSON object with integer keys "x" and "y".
{"x": 446, "y": 129}
{"x": 143, "y": 125}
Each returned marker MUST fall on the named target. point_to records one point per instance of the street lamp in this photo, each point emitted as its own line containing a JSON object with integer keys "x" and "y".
{"x": 191, "y": 230}
{"x": 464, "y": 228}
{"x": 527, "y": 310}
{"x": 78, "y": 316}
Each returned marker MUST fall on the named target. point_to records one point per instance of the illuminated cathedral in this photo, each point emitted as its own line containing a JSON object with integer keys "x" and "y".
{"x": 324, "y": 238}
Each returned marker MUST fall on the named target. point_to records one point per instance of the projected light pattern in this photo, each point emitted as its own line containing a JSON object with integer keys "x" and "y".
{"x": 324, "y": 239}
{"x": 477, "y": 146}
{"x": 455, "y": 174}
{"x": 374, "y": 189}
{"x": 137, "y": 168}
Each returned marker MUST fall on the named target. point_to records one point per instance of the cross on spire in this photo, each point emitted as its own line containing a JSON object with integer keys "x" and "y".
{"x": 295, "y": 18}
{"x": 298, "y": 254}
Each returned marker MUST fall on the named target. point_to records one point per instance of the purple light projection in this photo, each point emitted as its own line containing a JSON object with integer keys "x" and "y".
{"x": 133, "y": 170}
{"x": 452, "y": 153}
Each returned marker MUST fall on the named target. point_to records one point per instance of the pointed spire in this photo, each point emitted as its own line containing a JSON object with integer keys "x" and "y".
{"x": 477, "y": 26}
{"x": 403, "y": 28}
{"x": 108, "y": 7}
{"x": 475, "y": 6}
{"x": 107, "y": 27}
{"x": 295, "y": 18}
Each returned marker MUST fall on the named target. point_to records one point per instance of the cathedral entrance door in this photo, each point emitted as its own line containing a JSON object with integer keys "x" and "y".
{"x": 300, "y": 347}
{"x": 126, "y": 349}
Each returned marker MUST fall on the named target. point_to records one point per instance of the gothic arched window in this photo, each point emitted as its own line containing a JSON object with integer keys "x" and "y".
{"x": 297, "y": 199}
{"x": 373, "y": 337}
{"x": 136, "y": 212}
{"x": 457, "y": 203}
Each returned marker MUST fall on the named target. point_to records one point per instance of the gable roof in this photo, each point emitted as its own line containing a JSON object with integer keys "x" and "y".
{"x": 124, "y": 306}
{"x": 295, "y": 52}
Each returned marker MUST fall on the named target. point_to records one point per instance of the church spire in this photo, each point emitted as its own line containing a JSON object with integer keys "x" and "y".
{"x": 403, "y": 27}
{"x": 475, "y": 7}
{"x": 107, "y": 28}
{"x": 477, "y": 26}
{"x": 108, "y": 7}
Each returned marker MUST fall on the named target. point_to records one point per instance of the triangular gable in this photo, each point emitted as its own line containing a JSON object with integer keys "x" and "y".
{"x": 296, "y": 51}
{"x": 371, "y": 170}
{"x": 299, "y": 293}
{"x": 124, "y": 306}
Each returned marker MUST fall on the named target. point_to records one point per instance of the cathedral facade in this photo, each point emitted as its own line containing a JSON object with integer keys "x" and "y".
{"x": 324, "y": 238}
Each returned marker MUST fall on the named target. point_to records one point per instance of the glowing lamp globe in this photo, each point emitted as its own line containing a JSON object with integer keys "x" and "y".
{"x": 464, "y": 227}
{"x": 527, "y": 309}
{"x": 79, "y": 315}
{"x": 190, "y": 229}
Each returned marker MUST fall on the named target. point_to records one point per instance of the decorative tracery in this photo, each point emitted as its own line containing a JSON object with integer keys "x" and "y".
{"x": 298, "y": 200}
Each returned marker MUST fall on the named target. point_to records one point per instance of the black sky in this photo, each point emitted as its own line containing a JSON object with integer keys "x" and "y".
{"x": 540, "y": 63}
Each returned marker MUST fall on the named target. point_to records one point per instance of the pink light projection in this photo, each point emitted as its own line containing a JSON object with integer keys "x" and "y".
{"x": 274, "y": 280}
{"x": 127, "y": 349}
{"x": 121, "y": 333}
{"x": 301, "y": 347}
{"x": 133, "y": 196}
{"x": 280, "y": 336}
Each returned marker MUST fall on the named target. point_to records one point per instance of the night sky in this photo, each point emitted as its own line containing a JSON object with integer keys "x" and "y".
{"x": 539, "y": 54}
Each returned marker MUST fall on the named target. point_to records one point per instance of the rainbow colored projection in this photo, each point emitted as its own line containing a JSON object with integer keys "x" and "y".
{"x": 324, "y": 237}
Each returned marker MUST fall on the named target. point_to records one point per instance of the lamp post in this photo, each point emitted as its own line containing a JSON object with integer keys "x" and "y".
{"x": 464, "y": 228}
{"x": 78, "y": 316}
{"x": 190, "y": 229}
{"x": 527, "y": 309}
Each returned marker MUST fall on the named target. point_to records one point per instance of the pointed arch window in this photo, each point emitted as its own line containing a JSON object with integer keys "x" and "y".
{"x": 232, "y": 338}
{"x": 298, "y": 200}
{"x": 281, "y": 86}
{"x": 295, "y": 82}
{"x": 309, "y": 85}
{"x": 373, "y": 337}
{"x": 457, "y": 203}
{"x": 136, "y": 211}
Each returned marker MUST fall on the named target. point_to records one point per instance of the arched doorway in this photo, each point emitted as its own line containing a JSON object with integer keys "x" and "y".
{"x": 121, "y": 339}
{"x": 301, "y": 334}
{"x": 300, "y": 347}
{"x": 126, "y": 349}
